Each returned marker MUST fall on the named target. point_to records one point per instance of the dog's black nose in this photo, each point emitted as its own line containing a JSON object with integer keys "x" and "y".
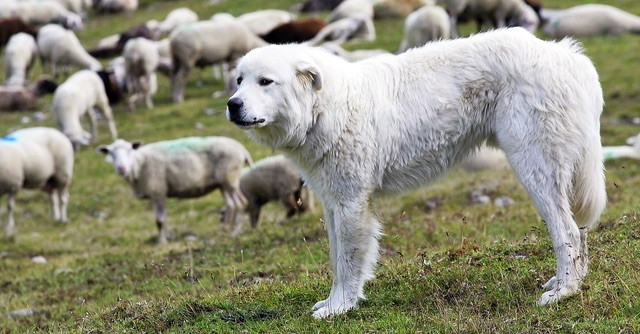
{"x": 234, "y": 105}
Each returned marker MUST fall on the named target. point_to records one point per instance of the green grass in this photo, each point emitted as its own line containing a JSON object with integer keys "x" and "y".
{"x": 459, "y": 268}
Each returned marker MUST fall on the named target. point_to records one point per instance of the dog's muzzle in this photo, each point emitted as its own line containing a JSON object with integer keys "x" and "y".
{"x": 234, "y": 107}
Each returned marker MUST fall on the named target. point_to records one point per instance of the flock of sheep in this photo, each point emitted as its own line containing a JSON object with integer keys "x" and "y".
{"x": 42, "y": 158}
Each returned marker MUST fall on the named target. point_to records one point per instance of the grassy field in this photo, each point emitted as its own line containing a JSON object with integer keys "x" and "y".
{"x": 456, "y": 268}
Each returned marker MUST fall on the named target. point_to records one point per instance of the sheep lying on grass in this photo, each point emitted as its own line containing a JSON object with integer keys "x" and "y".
{"x": 498, "y": 13}
{"x": 19, "y": 56}
{"x": 631, "y": 150}
{"x": 77, "y": 97}
{"x": 16, "y": 98}
{"x": 426, "y": 24}
{"x": 206, "y": 43}
{"x": 182, "y": 168}
{"x": 60, "y": 46}
{"x": 591, "y": 20}
{"x": 274, "y": 179}
{"x": 36, "y": 158}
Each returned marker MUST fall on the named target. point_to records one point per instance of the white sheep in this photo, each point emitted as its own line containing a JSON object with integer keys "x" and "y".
{"x": 350, "y": 8}
{"x": 591, "y": 20}
{"x": 500, "y": 12}
{"x": 263, "y": 21}
{"x": 19, "y": 56}
{"x": 60, "y": 46}
{"x": 182, "y": 168}
{"x": 174, "y": 19}
{"x": 142, "y": 58}
{"x": 76, "y": 98}
{"x": 116, "y": 5}
{"x": 429, "y": 23}
{"x": 355, "y": 27}
{"x": 36, "y": 158}
{"x": 274, "y": 179}
{"x": 41, "y": 12}
{"x": 207, "y": 43}
{"x": 631, "y": 150}
{"x": 77, "y": 6}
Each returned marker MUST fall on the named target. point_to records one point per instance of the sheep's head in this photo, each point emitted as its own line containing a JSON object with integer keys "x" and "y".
{"x": 121, "y": 154}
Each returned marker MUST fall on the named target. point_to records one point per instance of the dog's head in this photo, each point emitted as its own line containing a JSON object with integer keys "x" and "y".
{"x": 277, "y": 89}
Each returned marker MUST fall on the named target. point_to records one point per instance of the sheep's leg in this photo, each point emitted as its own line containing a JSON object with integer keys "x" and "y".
{"x": 254, "y": 214}
{"x": 9, "y": 229}
{"x": 108, "y": 114}
{"x": 161, "y": 219}
{"x": 55, "y": 203}
{"x": 178, "y": 81}
{"x": 63, "y": 193}
{"x": 230, "y": 213}
{"x": 292, "y": 207}
{"x": 93, "y": 124}
{"x": 146, "y": 89}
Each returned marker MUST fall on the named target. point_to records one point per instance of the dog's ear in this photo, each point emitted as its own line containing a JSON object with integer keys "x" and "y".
{"x": 310, "y": 72}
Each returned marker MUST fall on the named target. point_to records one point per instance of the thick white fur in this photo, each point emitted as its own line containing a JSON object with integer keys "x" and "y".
{"x": 390, "y": 123}
{"x": 19, "y": 56}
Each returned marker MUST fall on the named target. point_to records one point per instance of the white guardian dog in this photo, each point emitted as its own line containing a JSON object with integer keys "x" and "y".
{"x": 390, "y": 123}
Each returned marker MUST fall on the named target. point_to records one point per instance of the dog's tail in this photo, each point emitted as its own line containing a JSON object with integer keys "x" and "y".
{"x": 589, "y": 196}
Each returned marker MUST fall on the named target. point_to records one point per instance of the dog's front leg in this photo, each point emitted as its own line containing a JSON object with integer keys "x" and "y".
{"x": 353, "y": 238}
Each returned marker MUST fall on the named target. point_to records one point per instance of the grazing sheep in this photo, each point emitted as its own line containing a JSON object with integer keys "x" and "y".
{"x": 141, "y": 59}
{"x": 355, "y": 55}
{"x": 262, "y": 21}
{"x": 113, "y": 45}
{"x": 15, "y": 98}
{"x": 494, "y": 12}
{"x": 591, "y": 20}
{"x": 13, "y": 25}
{"x": 297, "y": 31}
{"x": 60, "y": 46}
{"x": 274, "y": 179}
{"x": 36, "y": 158}
{"x": 41, "y": 12}
{"x": 174, "y": 19}
{"x": 206, "y": 43}
{"x": 114, "y": 6}
{"x": 350, "y": 8}
{"x": 182, "y": 168}
{"x": 77, "y": 97}
{"x": 19, "y": 56}
{"x": 429, "y": 23}
{"x": 353, "y": 27}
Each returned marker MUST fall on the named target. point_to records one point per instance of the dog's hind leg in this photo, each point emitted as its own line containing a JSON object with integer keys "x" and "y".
{"x": 353, "y": 237}
{"x": 547, "y": 177}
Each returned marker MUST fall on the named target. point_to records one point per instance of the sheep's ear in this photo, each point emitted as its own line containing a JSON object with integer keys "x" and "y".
{"x": 103, "y": 149}
{"x": 311, "y": 72}
{"x": 136, "y": 144}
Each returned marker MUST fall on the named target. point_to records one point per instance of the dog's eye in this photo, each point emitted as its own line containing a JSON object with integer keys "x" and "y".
{"x": 239, "y": 80}
{"x": 265, "y": 82}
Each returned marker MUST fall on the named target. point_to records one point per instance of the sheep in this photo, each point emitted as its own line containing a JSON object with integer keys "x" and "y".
{"x": 355, "y": 55}
{"x": 19, "y": 56}
{"x": 272, "y": 179}
{"x": 354, "y": 27}
{"x": 41, "y": 12}
{"x": 631, "y": 150}
{"x": 77, "y": 97}
{"x": 113, "y": 45}
{"x": 113, "y": 6}
{"x": 262, "y": 21}
{"x": 77, "y": 6}
{"x": 319, "y": 5}
{"x": 498, "y": 12}
{"x": 13, "y": 25}
{"x": 174, "y": 19}
{"x": 182, "y": 168}
{"x": 350, "y": 8}
{"x": 25, "y": 98}
{"x": 591, "y": 20}
{"x": 426, "y": 24}
{"x": 141, "y": 58}
{"x": 59, "y": 46}
{"x": 36, "y": 158}
{"x": 297, "y": 31}
{"x": 206, "y": 43}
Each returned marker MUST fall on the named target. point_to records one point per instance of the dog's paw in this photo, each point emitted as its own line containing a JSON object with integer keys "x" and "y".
{"x": 326, "y": 308}
{"x": 554, "y": 295}
{"x": 550, "y": 283}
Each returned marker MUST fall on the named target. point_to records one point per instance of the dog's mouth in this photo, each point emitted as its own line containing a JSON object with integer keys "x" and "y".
{"x": 248, "y": 125}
